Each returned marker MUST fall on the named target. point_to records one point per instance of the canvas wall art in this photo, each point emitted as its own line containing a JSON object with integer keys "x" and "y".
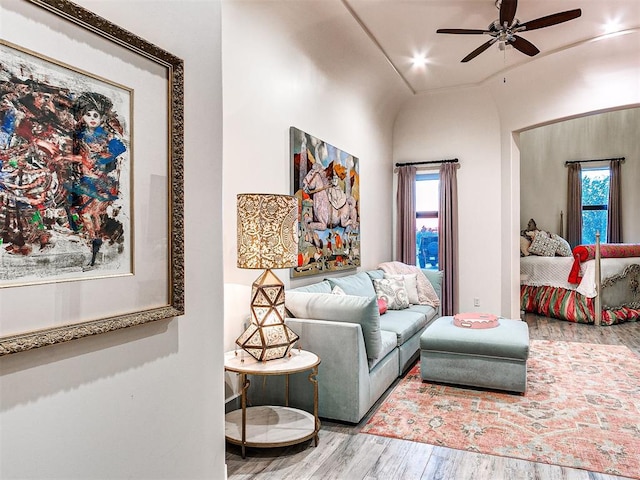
{"x": 326, "y": 181}
{"x": 65, "y": 165}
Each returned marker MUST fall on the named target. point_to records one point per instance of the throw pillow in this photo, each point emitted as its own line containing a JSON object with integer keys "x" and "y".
{"x": 525, "y": 243}
{"x": 410, "y": 283}
{"x": 426, "y": 292}
{"x": 543, "y": 245}
{"x": 382, "y": 306}
{"x": 564, "y": 249}
{"x": 393, "y": 291}
{"x": 340, "y": 308}
{"x": 337, "y": 290}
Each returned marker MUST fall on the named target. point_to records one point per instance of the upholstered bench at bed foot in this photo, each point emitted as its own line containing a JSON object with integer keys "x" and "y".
{"x": 494, "y": 358}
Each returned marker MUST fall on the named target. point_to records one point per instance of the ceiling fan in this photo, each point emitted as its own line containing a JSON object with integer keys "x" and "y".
{"x": 505, "y": 29}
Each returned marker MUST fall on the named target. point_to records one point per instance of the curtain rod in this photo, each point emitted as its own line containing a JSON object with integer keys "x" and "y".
{"x": 450, "y": 160}
{"x": 621, "y": 159}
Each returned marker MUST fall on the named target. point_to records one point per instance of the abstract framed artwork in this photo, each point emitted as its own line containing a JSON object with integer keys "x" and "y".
{"x": 326, "y": 181}
{"x": 65, "y": 196}
{"x": 91, "y": 209}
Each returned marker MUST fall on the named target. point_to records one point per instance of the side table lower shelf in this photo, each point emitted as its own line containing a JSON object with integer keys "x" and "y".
{"x": 270, "y": 426}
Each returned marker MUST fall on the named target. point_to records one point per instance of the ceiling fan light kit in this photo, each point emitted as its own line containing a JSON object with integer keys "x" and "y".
{"x": 504, "y": 30}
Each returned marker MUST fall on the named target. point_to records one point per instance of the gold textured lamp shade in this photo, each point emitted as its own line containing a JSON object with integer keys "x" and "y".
{"x": 267, "y": 238}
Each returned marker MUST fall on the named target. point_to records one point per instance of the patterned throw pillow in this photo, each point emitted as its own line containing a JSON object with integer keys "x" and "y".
{"x": 564, "y": 249}
{"x": 393, "y": 291}
{"x": 411, "y": 284}
{"x": 543, "y": 245}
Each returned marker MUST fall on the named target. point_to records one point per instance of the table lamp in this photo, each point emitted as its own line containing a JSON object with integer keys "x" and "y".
{"x": 267, "y": 239}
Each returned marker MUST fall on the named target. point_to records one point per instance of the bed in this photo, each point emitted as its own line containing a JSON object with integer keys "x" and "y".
{"x": 598, "y": 284}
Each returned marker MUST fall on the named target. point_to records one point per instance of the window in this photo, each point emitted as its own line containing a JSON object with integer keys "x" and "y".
{"x": 427, "y": 202}
{"x": 595, "y": 200}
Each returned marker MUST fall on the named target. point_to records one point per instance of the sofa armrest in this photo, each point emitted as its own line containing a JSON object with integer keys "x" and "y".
{"x": 343, "y": 374}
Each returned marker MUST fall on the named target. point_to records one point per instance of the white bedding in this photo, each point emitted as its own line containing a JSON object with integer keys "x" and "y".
{"x": 553, "y": 271}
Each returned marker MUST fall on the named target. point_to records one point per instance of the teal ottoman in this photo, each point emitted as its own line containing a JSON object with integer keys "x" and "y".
{"x": 494, "y": 358}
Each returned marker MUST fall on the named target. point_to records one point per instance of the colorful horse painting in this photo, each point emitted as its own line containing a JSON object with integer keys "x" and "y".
{"x": 332, "y": 207}
{"x": 326, "y": 181}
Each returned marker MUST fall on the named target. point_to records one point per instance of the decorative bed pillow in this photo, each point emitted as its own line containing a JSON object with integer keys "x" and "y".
{"x": 543, "y": 245}
{"x": 340, "y": 308}
{"x": 564, "y": 249}
{"x": 525, "y": 243}
{"x": 393, "y": 291}
{"x": 410, "y": 283}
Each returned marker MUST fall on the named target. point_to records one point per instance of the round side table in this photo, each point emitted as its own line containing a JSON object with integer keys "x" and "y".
{"x": 270, "y": 425}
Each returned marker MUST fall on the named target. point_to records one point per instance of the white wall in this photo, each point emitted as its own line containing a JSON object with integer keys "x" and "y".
{"x": 480, "y": 126}
{"x": 143, "y": 402}
{"x": 464, "y": 125}
{"x": 309, "y": 65}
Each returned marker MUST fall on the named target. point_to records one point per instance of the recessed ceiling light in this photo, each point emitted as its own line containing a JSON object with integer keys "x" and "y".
{"x": 611, "y": 26}
{"x": 419, "y": 60}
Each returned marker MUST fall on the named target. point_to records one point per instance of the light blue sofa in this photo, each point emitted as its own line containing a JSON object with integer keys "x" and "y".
{"x": 361, "y": 352}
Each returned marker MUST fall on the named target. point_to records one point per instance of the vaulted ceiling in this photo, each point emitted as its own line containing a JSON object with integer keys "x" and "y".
{"x": 404, "y": 29}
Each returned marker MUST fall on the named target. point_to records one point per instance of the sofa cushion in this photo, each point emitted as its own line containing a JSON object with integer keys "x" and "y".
{"x": 435, "y": 279}
{"x": 319, "y": 287}
{"x": 404, "y": 323}
{"x": 427, "y": 310}
{"x": 340, "y": 308}
{"x": 358, "y": 284}
{"x": 388, "y": 343}
{"x": 373, "y": 274}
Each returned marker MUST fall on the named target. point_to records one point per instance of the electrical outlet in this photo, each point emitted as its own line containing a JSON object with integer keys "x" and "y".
{"x": 476, "y": 302}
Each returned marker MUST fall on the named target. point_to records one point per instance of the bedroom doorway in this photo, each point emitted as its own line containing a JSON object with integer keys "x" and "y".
{"x": 543, "y": 175}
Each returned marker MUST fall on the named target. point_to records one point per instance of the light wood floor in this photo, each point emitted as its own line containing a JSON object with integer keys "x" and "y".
{"x": 343, "y": 453}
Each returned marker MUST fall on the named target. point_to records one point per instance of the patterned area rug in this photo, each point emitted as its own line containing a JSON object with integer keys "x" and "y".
{"x": 581, "y": 410}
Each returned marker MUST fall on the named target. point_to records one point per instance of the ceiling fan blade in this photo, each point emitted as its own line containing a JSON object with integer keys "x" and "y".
{"x": 461, "y": 31}
{"x": 550, "y": 20}
{"x": 479, "y": 50}
{"x": 525, "y": 46}
{"x": 508, "y": 11}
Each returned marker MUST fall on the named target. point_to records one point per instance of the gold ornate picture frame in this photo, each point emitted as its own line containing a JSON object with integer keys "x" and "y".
{"x": 151, "y": 287}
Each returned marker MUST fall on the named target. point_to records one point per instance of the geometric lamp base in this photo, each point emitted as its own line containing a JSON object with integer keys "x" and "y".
{"x": 267, "y": 343}
{"x": 267, "y": 337}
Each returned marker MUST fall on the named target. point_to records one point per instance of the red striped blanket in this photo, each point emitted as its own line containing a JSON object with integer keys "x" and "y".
{"x": 582, "y": 253}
